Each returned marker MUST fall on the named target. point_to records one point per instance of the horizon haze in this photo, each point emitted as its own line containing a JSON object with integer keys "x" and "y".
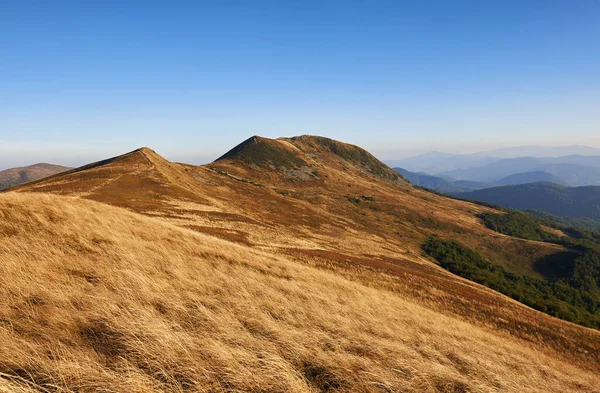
{"x": 85, "y": 81}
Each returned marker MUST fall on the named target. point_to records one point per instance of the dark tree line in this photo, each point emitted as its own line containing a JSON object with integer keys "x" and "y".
{"x": 573, "y": 294}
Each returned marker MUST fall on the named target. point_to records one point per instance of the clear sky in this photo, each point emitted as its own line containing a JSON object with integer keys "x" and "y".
{"x": 83, "y": 80}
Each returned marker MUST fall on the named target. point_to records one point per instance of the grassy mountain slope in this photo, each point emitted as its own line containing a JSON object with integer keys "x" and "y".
{"x": 98, "y": 296}
{"x": 263, "y": 151}
{"x": 14, "y": 176}
{"x": 339, "y": 205}
{"x": 321, "y": 261}
{"x": 140, "y": 179}
{"x": 299, "y": 158}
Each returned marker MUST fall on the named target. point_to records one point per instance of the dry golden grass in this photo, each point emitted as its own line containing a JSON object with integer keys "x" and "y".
{"x": 97, "y": 298}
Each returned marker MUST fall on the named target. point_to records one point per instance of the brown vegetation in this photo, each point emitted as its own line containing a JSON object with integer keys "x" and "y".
{"x": 98, "y": 296}
{"x": 240, "y": 277}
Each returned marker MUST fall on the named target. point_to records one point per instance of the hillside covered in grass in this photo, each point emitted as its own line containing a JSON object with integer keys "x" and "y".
{"x": 98, "y": 296}
{"x": 569, "y": 286}
{"x": 139, "y": 274}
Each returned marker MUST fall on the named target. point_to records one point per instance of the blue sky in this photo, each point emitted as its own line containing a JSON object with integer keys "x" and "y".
{"x": 191, "y": 79}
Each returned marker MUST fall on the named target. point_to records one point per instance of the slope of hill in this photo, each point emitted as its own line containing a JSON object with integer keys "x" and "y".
{"x": 101, "y": 297}
{"x": 296, "y": 156}
{"x": 263, "y": 151}
{"x": 140, "y": 179}
{"x": 14, "y": 176}
{"x": 247, "y": 276}
{"x": 530, "y": 177}
{"x": 574, "y": 202}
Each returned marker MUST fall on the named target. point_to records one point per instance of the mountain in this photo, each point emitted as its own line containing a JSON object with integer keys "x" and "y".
{"x": 292, "y": 264}
{"x": 530, "y": 177}
{"x": 496, "y": 170}
{"x": 14, "y": 176}
{"x": 574, "y": 174}
{"x": 437, "y": 162}
{"x": 574, "y": 202}
{"x": 590, "y": 161}
{"x": 459, "y": 186}
{"x": 439, "y": 184}
{"x": 541, "y": 151}
{"x": 292, "y": 154}
{"x": 493, "y": 165}
{"x": 263, "y": 151}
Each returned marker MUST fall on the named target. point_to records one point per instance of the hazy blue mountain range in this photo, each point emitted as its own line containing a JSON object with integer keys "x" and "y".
{"x": 571, "y": 173}
{"x": 577, "y": 203}
{"x": 452, "y": 186}
{"x": 447, "y": 186}
{"x": 575, "y": 165}
{"x": 541, "y": 151}
{"x": 437, "y": 162}
{"x": 530, "y": 177}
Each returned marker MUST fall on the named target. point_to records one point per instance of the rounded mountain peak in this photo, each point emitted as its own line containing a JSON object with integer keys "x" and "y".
{"x": 261, "y": 151}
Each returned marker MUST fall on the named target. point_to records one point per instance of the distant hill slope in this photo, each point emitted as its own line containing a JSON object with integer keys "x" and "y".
{"x": 14, "y": 176}
{"x": 530, "y": 177}
{"x": 439, "y": 184}
{"x": 570, "y": 202}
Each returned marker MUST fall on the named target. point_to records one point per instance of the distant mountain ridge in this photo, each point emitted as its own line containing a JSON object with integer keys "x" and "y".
{"x": 541, "y": 151}
{"x": 575, "y": 165}
{"x": 437, "y": 162}
{"x": 450, "y": 186}
{"x": 579, "y": 203}
{"x": 14, "y": 176}
{"x": 439, "y": 184}
{"x": 530, "y": 177}
{"x": 565, "y": 168}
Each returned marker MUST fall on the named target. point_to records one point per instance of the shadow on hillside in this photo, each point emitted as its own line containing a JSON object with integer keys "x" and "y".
{"x": 556, "y": 266}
